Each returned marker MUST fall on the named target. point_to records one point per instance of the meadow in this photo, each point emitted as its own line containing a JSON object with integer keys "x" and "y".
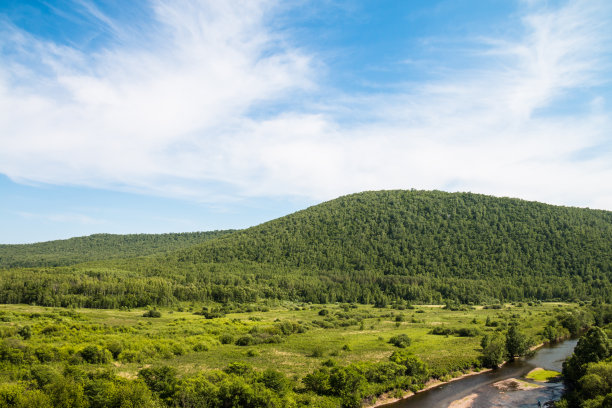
{"x": 293, "y": 339}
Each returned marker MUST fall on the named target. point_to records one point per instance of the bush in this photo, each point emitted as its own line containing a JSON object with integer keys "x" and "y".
{"x": 161, "y": 380}
{"x": 413, "y": 365}
{"x": 275, "y": 381}
{"x": 152, "y": 313}
{"x": 441, "y": 331}
{"x": 115, "y": 349}
{"x": 43, "y": 375}
{"x": 226, "y": 338}
{"x": 401, "y": 341}
{"x": 246, "y": 340}
{"x": 200, "y": 347}
{"x": 468, "y": 332}
{"x": 25, "y": 332}
{"x": 317, "y": 352}
{"x": 238, "y": 368}
{"x": 318, "y": 381}
{"x": 95, "y": 355}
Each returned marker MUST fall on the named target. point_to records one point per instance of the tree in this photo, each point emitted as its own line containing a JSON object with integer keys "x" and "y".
{"x": 495, "y": 352}
{"x": 414, "y": 366}
{"x": 516, "y": 342}
{"x": 594, "y": 346}
{"x": 161, "y": 380}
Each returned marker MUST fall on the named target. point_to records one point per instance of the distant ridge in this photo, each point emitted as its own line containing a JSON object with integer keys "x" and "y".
{"x": 98, "y": 247}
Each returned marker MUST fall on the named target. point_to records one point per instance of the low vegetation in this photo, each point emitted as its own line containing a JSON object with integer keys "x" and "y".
{"x": 279, "y": 354}
{"x": 542, "y": 375}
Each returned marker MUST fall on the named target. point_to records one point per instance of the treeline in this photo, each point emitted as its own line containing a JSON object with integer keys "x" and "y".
{"x": 98, "y": 247}
{"x": 248, "y": 282}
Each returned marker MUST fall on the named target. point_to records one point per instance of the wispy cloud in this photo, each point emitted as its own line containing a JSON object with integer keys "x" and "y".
{"x": 174, "y": 114}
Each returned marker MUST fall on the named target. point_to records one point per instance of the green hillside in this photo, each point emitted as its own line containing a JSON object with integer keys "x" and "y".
{"x": 418, "y": 232}
{"x": 372, "y": 247}
{"x": 98, "y": 247}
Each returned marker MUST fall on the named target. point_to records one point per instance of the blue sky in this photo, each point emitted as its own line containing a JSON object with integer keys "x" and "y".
{"x": 162, "y": 116}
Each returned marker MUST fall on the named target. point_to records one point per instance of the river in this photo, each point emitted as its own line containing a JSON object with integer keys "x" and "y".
{"x": 549, "y": 357}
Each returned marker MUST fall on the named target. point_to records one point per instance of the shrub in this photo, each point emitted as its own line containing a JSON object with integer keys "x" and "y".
{"x": 115, "y": 349}
{"x": 246, "y": 340}
{"x": 95, "y": 355}
{"x": 317, "y": 352}
{"x": 66, "y": 393}
{"x": 441, "y": 331}
{"x": 152, "y": 313}
{"x": 401, "y": 341}
{"x": 25, "y": 332}
{"x": 43, "y": 375}
{"x": 414, "y": 366}
{"x": 226, "y": 338}
{"x": 200, "y": 347}
{"x": 161, "y": 380}
{"x": 238, "y": 368}
{"x": 318, "y": 381}
{"x": 468, "y": 332}
{"x": 275, "y": 381}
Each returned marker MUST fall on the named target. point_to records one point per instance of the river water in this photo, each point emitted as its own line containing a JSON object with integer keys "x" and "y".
{"x": 549, "y": 357}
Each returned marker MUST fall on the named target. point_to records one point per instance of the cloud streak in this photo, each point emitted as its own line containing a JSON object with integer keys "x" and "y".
{"x": 176, "y": 114}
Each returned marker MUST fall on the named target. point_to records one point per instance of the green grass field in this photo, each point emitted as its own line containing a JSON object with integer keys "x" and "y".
{"x": 192, "y": 343}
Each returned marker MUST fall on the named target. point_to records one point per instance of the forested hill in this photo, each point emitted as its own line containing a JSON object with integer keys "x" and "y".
{"x": 373, "y": 247}
{"x": 98, "y": 247}
{"x": 423, "y": 232}
{"x": 423, "y": 244}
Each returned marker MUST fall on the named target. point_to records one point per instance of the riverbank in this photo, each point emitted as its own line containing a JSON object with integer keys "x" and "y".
{"x": 443, "y": 394}
{"x": 387, "y": 399}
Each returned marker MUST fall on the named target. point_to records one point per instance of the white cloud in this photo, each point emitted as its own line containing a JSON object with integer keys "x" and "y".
{"x": 172, "y": 116}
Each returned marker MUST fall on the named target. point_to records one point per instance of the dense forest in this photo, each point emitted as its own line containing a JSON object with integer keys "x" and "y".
{"x": 98, "y": 247}
{"x": 370, "y": 248}
{"x": 588, "y": 372}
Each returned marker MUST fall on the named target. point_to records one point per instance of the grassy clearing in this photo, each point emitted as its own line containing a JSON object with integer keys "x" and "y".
{"x": 191, "y": 343}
